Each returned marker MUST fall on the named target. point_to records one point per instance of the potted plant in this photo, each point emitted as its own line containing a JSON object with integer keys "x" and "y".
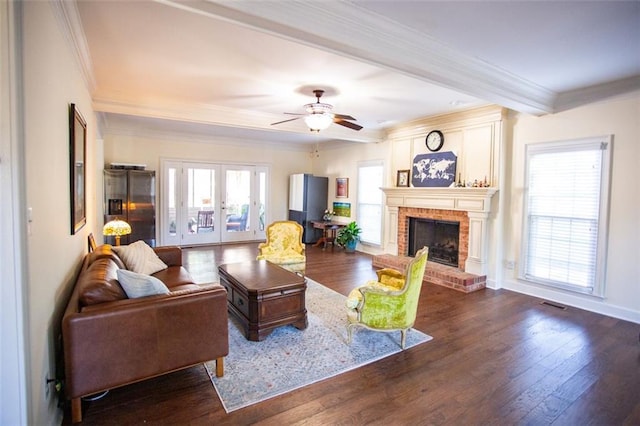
{"x": 348, "y": 237}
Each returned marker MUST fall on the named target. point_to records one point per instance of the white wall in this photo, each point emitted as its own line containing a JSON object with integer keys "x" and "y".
{"x": 52, "y": 80}
{"x": 620, "y": 118}
{"x": 149, "y": 150}
{"x": 343, "y": 162}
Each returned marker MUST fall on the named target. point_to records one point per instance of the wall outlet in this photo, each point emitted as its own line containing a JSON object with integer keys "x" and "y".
{"x": 510, "y": 264}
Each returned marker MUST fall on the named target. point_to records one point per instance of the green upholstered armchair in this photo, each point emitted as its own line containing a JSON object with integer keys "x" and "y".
{"x": 391, "y": 302}
{"x": 284, "y": 246}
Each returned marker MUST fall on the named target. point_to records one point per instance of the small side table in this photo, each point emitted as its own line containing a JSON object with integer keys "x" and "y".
{"x": 329, "y": 232}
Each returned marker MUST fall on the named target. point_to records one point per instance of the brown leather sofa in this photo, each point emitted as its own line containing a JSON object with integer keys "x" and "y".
{"x": 111, "y": 341}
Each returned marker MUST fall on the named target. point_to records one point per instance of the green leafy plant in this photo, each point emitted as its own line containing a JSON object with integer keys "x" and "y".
{"x": 349, "y": 235}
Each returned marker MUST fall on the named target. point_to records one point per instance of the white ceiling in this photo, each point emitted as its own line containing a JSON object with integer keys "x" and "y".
{"x": 231, "y": 68}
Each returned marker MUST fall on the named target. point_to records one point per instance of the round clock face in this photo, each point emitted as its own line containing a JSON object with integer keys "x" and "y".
{"x": 434, "y": 140}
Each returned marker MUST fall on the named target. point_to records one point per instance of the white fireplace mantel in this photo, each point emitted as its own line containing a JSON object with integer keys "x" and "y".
{"x": 463, "y": 199}
{"x": 475, "y": 201}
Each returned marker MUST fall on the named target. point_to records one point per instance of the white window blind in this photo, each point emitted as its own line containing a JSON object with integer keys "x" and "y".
{"x": 565, "y": 210}
{"x": 369, "y": 212}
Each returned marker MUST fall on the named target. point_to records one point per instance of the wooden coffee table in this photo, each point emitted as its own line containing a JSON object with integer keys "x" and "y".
{"x": 263, "y": 296}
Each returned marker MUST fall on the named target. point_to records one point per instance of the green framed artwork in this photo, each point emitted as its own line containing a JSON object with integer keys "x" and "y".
{"x": 342, "y": 209}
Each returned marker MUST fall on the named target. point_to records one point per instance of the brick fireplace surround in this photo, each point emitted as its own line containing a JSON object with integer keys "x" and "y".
{"x": 469, "y": 207}
{"x": 404, "y": 213}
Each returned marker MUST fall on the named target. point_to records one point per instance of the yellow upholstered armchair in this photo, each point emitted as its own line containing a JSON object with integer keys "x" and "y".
{"x": 284, "y": 246}
{"x": 391, "y": 302}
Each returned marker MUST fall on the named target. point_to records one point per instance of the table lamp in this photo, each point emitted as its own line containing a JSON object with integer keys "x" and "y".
{"x": 116, "y": 228}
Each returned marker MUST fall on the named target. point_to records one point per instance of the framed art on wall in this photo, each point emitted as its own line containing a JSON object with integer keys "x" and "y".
{"x": 403, "y": 178}
{"x": 77, "y": 169}
{"x": 342, "y": 187}
{"x": 342, "y": 209}
{"x": 434, "y": 170}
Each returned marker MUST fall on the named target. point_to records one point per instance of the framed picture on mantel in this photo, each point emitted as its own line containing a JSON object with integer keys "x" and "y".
{"x": 403, "y": 178}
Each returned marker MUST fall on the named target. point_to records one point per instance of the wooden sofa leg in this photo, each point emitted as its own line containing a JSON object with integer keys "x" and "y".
{"x": 220, "y": 367}
{"x": 76, "y": 410}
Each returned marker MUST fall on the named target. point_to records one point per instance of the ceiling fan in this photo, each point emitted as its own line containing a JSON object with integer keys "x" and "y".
{"x": 319, "y": 116}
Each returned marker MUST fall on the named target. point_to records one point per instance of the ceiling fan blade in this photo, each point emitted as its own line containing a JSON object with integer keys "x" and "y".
{"x": 344, "y": 117}
{"x": 292, "y": 113}
{"x": 348, "y": 124}
{"x": 284, "y": 121}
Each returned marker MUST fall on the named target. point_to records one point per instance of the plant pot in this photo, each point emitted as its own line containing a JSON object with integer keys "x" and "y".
{"x": 350, "y": 246}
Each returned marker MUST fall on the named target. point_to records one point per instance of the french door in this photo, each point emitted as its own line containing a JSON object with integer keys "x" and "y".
{"x": 207, "y": 203}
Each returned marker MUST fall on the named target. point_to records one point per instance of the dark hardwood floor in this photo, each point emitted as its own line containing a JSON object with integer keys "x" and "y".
{"x": 496, "y": 358}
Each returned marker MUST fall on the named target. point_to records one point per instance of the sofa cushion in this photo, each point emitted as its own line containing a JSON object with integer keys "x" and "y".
{"x": 99, "y": 283}
{"x": 140, "y": 285}
{"x": 174, "y": 276}
{"x": 105, "y": 251}
{"x": 139, "y": 257}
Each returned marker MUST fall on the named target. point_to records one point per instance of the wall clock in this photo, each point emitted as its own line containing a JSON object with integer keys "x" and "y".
{"x": 434, "y": 140}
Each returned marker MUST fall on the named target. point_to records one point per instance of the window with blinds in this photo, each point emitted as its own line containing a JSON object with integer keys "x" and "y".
{"x": 566, "y": 214}
{"x": 370, "y": 201}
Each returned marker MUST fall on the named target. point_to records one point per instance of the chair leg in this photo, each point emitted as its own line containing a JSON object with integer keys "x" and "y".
{"x": 220, "y": 367}
{"x": 349, "y": 333}
{"x": 403, "y": 337}
{"x": 76, "y": 410}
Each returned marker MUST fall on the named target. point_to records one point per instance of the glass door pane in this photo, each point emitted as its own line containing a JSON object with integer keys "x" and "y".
{"x": 169, "y": 203}
{"x": 262, "y": 175}
{"x": 172, "y": 214}
{"x": 199, "y": 220}
{"x": 237, "y": 204}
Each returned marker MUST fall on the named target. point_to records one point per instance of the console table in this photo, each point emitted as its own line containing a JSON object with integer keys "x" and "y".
{"x": 329, "y": 231}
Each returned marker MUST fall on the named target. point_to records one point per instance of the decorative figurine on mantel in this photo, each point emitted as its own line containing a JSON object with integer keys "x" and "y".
{"x": 472, "y": 184}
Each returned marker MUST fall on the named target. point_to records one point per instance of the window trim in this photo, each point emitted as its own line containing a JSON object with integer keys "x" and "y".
{"x": 606, "y": 146}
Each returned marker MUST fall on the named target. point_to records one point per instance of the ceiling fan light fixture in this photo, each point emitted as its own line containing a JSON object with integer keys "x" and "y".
{"x": 318, "y": 108}
{"x": 318, "y": 121}
{"x": 319, "y": 116}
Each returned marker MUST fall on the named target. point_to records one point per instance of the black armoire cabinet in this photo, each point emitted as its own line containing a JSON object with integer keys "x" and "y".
{"x": 130, "y": 195}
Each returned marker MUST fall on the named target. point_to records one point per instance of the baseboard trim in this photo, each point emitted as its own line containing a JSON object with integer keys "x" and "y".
{"x": 577, "y": 301}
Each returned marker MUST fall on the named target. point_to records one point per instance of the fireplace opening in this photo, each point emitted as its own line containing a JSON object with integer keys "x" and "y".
{"x": 440, "y": 236}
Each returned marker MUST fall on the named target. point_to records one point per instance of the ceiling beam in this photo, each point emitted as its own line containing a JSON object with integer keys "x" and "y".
{"x": 350, "y": 30}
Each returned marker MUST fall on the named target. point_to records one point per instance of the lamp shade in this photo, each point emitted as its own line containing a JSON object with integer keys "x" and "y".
{"x": 116, "y": 227}
{"x": 318, "y": 121}
{"x": 319, "y": 116}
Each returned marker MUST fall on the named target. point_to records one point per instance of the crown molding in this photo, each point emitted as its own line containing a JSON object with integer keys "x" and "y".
{"x": 449, "y": 121}
{"x": 600, "y": 92}
{"x": 114, "y": 129}
{"x": 68, "y": 17}
{"x": 226, "y": 117}
{"x": 350, "y": 30}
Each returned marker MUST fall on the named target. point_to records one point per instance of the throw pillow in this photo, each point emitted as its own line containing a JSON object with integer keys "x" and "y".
{"x": 139, "y": 257}
{"x": 140, "y": 285}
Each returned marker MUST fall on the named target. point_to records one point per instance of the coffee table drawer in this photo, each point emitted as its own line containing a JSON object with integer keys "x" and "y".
{"x": 229, "y": 289}
{"x": 241, "y": 302}
{"x": 281, "y": 304}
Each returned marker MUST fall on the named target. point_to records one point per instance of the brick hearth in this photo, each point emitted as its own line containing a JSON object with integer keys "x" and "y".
{"x": 435, "y": 273}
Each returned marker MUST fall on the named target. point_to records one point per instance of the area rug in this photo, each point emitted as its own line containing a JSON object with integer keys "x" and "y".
{"x": 289, "y": 358}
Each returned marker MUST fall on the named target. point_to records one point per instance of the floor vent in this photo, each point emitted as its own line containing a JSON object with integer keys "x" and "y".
{"x": 555, "y": 305}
